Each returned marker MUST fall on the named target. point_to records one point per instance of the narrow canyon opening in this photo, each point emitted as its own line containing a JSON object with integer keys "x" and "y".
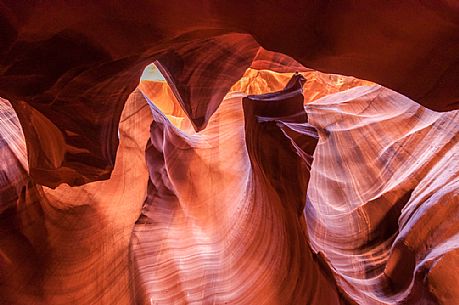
{"x": 243, "y": 153}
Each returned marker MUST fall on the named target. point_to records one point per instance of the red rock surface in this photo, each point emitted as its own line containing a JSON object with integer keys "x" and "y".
{"x": 299, "y": 188}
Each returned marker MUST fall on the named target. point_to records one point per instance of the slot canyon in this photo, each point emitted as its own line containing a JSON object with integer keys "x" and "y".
{"x": 229, "y": 152}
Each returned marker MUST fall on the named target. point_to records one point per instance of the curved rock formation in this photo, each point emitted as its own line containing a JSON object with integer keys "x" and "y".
{"x": 229, "y": 228}
{"x": 52, "y": 52}
{"x": 230, "y": 174}
{"x": 384, "y": 196}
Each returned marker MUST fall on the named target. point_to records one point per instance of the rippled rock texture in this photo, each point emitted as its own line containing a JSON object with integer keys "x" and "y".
{"x": 230, "y": 174}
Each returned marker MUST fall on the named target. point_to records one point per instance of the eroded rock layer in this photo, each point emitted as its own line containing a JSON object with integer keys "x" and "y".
{"x": 58, "y": 58}
{"x": 384, "y": 196}
{"x": 231, "y": 174}
{"x": 241, "y": 213}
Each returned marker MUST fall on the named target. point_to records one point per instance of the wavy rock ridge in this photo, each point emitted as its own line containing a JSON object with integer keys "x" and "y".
{"x": 230, "y": 174}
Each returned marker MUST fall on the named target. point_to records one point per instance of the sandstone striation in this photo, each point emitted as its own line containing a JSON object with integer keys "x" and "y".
{"x": 211, "y": 152}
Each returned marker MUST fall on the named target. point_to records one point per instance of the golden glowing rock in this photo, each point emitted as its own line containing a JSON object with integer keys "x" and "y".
{"x": 238, "y": 171}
